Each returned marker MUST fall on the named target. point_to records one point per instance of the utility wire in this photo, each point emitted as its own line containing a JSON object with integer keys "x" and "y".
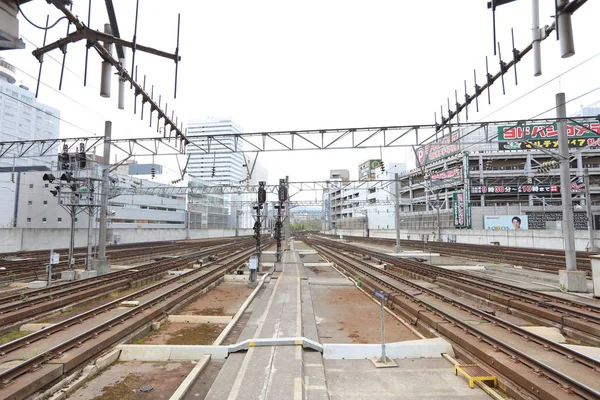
{"x": 18, "y": 2}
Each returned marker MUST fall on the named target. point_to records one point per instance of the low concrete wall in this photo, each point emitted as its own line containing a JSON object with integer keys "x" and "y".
{"x": 543, "y": 239}
{"x": 21, "y": 239}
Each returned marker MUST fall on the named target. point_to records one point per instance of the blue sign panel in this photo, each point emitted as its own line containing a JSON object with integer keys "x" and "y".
{"x": 380, "y": 295}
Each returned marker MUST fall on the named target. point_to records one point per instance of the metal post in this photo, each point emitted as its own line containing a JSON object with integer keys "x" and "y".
{"x": 397, "y": 211}
{"x": 50, "y": 269}
{"x": 565, "y": 184}
{"x": 237, "y": 222}
{"x": 72, "y": 241}
{"x": 88, "y": 266}
{"x": 439, "y": 232}
{"x": 383, "y": 357}
{"x": 287, "y": 215}
{"x": 188, "y": 217}
{"x": 104, "y": 193}
{"x": 588, "y": 205}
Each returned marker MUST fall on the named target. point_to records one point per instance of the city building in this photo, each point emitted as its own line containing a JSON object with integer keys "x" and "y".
{"x": 211, "y": 161}
{"x": 22, "y": 117}
{"x": 369, "y": 207}
{"x": 213, "y": 164}
{"x": 341, "y": 174}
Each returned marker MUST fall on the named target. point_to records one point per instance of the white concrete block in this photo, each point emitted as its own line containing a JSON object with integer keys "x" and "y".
{"x": 148, "y": 352}
{"x": 573, "y": 281}
{"x": 131, "y": 303}
{"x": 411, "y": 254}
{"x": 105, "y": 361}
{"x": 188, "y": 352}
{"x": 463, "y": 267}
{"x": 67, "y": 275}
{"x": 307, "y": 252}
{"x": 235, "y": 278}
{"x": 267, "y": 264}
{"x": 82, "y": 274}
{"x": 18, "y": 285}
{"x": 200, "y": 319}
{"x": 121, "y": 267}
{"x": 592, "y": 352}
{"x": 143, "y": 352}
{"x": 178, "y": 273}
{"x": 33, "y": 327}
{"x": 426, "y": 348}
{"x": 330, "y": 282}
{"x": 317, "y": 264}
{"x": 269, "y": 252}
{"x": 550, "y": 333}
{"x": 37, "y": 284}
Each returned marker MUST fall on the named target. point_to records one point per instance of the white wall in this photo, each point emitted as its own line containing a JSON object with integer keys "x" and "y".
{"x": 543, "y": 239}
{"x": 15, "y": 239}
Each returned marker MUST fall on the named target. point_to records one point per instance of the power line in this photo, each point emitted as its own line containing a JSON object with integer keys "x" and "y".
{"x": 35, "y": 25}
{"x": 49, "y": 113}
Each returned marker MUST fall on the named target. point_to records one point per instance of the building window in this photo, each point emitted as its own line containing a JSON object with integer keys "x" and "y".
{"x": 59, "y": 220}
{"x": 45, "y": 202}
{"x": 76, "y": 219}
{"x": 46, "y": 185}
{"x": 31, "y": 186}
{"x": 28, "y": 220}
{"x": 44, "y": 220}
{"x": 30, "y": 203}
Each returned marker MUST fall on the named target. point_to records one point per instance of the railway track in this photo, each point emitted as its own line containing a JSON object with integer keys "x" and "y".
{"x": 54, "y": 360}
{"x": 517, "y": 354}
{"x": 35, "y": 269}
{"x": 578, "y": 320}
{"x": 542, "y": 259}
{"x": 17, "y": 309}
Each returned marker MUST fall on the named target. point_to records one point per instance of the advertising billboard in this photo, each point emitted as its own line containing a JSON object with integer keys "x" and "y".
{"x": 367, "y": 170}
{"x": 524, "y": 189}
{"x": 439, "y": 149}
{"x": 462, "y": 210}
{"x": 546, "y": 136}
{"x": 447, "y": 177}
{"x": 506, "y": 222}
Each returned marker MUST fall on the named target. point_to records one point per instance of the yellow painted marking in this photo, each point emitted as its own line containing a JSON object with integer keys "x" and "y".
{"x": 251, "y": 344}
{"x": 298, "y": 342}
{"x": 472, "y": 379}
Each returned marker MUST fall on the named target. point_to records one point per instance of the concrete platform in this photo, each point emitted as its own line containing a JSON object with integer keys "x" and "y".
{"x": 200, "y": 319}
{"x": 413, "y": 379}
{"x": 317, "y": 264}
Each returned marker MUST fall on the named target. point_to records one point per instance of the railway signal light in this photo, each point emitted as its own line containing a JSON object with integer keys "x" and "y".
{"x": 48, "y": 177}
{"x": 213, "y": 173}
{"x": 262, "y": 193}
{"x": 153, "y": 172}
{"x": 382, "y": 166}
{"x": 283, "y": 193}
{"x": 66, "y": 176}
{"x": 12, "y": 177}
{"x": 54, "y": 192}
{"x": 81, "y": 156}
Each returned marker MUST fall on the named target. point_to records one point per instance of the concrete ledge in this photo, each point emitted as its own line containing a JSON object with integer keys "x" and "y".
{"x": 191, "y": 378}
{"x": 426, "y": 348}
{"x": 410, "y": 254}
{"x": 463, "y": 267}
{"x": 592, "y": 352}
{"x": 37, "y": 284}
{"x": 236, "y": 278}
{"x": 317, "y": 264}
{"x": 148, "y": 352}
{"x": 330, "y": 282}
{"x": 33, "y": 327}
{"x": 83, "y": 274}
{"x": 200, "y": 319}
{"x": 179, "y": 273}
{"x": 268, "y": 252}
{"x": 131, "y": 303}
{"x": 267, "y": 264}
{"x": 549, "y": 333}
{"x": 307, "y": 251}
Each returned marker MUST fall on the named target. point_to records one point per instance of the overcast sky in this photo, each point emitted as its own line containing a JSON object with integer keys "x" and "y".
{"x": 281, "y": 65}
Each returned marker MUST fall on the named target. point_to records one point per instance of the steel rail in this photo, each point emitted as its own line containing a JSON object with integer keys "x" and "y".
{"x": 550, "y": 372}
{"x": 7, "y": 376}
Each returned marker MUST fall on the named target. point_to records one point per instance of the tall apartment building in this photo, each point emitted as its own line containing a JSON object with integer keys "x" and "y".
{"x": 228, "y": 167}
{"x": 219, "y": 166}
{"x": 22, "y": 117}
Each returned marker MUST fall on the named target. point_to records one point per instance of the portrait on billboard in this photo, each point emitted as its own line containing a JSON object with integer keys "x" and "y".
{"x": 506, "y": 222}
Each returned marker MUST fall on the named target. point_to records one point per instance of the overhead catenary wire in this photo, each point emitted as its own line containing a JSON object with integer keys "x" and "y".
{"x": 18, "y": 2}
